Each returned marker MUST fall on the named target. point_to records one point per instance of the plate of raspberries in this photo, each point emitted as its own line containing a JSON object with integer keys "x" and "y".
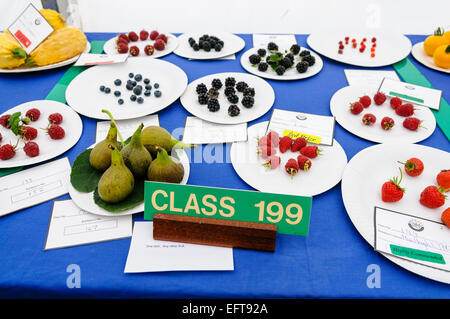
{"x": 272, "y": 62}
{"x": 279, "y": 164}
{"x": 151, "y": 44}
{"x": 204, "y": 46}
{"x": 407, "y": 178}
{"x": 228, "y": 98}
{"x": 36, "y": 131}
{"x": 379, "y": 118}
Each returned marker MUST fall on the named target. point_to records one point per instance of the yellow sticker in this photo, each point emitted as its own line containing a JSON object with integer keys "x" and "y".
{"x": 309, "y": 138}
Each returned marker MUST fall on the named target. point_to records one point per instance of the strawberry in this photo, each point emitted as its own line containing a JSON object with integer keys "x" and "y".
{"x": 123, "y": 37}
{"x": 387, "y": 123}
{"x": 159, "y": 44}
{"x": 432, "y": 197}
{"x": 391, "y": 190}
{"x": 266, "y": 151}
{"x": 55, "y": 118}
{"x": 365, "y": 101}
{"x": 122, "y": 47}
{"x": 7, "y": 151}
{"x": 405, "y": 110}
{"x": 304, "y": 163}
{"x": 445, "y": 217}
{"x": 412, "y": 123}
{"x": 396, "y": 102}
{"x": 133, "y": 36}
{"x": 356, "y": 107}
{"x": 143, "y": 35}
{"x": 4, "y": 120}
{"x": 153, "y": 35}
{"x": 33, "y": 114}
{"x": 273, "y": 162}
{"x": 149, "y": 49}
{"x": 443, "y": 179}
{"x": 285, "y": 144}
{"x": 31, "y": 149}
{"x": 274, "y": 137}
{"x": 28, "y": 133}
{"x": 56, "y": 132}
{"x": 413, "y": 166}
{"x": 291, "y": 167}
{"x": 134, "y": 50}
{"x": 162, "y": 37}
{"x": 379, "y": 98}
{"x": 310, "y": 151}
{"x": 298, "y": 144}
{"x": 369, "y": 119}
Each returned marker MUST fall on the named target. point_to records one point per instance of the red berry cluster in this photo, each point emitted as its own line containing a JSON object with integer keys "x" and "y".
{"x": 354, "y": 44}
{"x": 124, "y": 42}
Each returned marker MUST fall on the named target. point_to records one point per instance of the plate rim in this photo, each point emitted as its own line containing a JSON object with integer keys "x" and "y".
{"x": 415, "y": 52}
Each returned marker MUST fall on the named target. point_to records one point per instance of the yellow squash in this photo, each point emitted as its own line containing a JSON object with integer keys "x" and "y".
{"x": 433, "y": 41}
{"x": 441, "y": 56}
{"x": 447, "y": 36}
{"x": 62, "y": 44}
{"x": 56, "y": 20}
{"x": 12, "y": 55}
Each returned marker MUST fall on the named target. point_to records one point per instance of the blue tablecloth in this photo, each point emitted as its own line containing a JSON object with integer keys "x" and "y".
{"x": 331, "y": 262}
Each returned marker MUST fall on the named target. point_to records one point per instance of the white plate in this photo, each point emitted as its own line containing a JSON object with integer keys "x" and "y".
{"x": 232, "y": 44}
{"x": 391, "y": 47}
{"x": 291, "y": 74}
{"x": 326, "y": 170}
{"x": 48, "y": 148}
{"x": 86, "y": 200}
{"x": 172, "y": 43}
{"x": 361, "y": 191}
{"x": 264, "y": 98}
{"x": 84, "y": 96}
{"x": 340, "y": 108}
{"x": 419, "y": 54}
{"x": 23, "y": 69}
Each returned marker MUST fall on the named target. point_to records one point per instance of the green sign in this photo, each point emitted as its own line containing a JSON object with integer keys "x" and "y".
{"x": 406, "y": 97}
{"x": 290, "y": 213}
{"x": 417, "y": 254}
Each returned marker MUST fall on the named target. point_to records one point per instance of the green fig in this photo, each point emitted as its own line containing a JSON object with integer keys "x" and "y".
{"x": 165, "y": 168}
{"x": 100, "y": 157}
{"x": 157, "y": 136}
{"x": 135, "y": 155}
{"x": 117, "y": 182}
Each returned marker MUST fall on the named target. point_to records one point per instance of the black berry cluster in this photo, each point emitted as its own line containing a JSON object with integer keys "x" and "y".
{"x": 206, "y": 43}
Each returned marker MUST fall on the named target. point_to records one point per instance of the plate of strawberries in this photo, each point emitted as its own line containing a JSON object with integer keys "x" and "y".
{"x": 279, "y": 164}
{"x": 378, "y": 118}
{"x": 37, "y": 131}
{"x": 151, "y": 44}
{"x": 403, "y": 177}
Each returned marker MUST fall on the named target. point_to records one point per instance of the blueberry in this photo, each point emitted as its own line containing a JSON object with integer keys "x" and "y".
{"x": 117, "y": 93}
{"x": 139, "y": 87}
{"x": 157, "y": 93}
{"x": 138, "y": 77}
{"x": 146, "y": 81}
{"x": 130, "y": 75}
{"x": 137, "y": 91}
{"x": 107, "y": 90}
{"x": 156, "y": 85}
{"x": 147, "y": 93}
{"x": 133, "y": 97}
{"x": 120, "y": 101}
{"x": 133, "y": 83}
{"x": 148, "y": 87}
{"x": 117, "y": 82}
{"x": 129, "y": 86}
{"x": 102, "y": 88}
{"x": 140, "y": 100}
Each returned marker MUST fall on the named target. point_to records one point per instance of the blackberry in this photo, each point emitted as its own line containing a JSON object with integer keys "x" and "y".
{"x": 280, "y": 70}
{"x": 241, "y": 86}
{"x": 213, "y": 105}
{"x": 191, "y": 41}
{"x": 272, "y": 46}
{"x": 221, "y": 43}
{"x": 200, "y": 44}
{"x": 248, "y": 101}
{"x": 290, "y": 56}
{"x": 254, "y": 59}
{"x": 230, "y": 81}
{"x": 196, "y": 47}
{"x": 249, "y": 92}
{"x": 233, "y": 98}
{"x": 206, "y": 46}
{"x": 201, "y": 88}
{"x": 203, "y": 99}
{"x": 302, "y": 66}
{"x": 216, "y": 83}
{"x": 213, "y": 93}
{"x": 117, "y": 82}
{"x": 218, "y": 47}
{"x": 295, "y": 49}
{"x": 263, "y": 67}
{"x": 304, "y": 53}
{"x": 310, "y": 59}
{"x": 262, "y": 52}
{"x": 233, "y": 110}
{"x": 229, "y": 90}
{"x": 286, "y": 62}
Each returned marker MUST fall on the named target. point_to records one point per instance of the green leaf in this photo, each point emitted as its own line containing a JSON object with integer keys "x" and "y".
{"x": 14, "y": 121}
{"x": 134, "y": 199}
{"x": 83, "y": 177}
{"x": 274, "y": 66}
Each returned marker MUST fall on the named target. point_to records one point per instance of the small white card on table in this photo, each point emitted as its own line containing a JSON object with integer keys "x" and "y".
{"x": 86, "y": 59}
{"x": 197, "y": 131}
{"x": 369, "y": 78}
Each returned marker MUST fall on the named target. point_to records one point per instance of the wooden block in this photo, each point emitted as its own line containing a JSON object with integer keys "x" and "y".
{"x": 215, "y": 232}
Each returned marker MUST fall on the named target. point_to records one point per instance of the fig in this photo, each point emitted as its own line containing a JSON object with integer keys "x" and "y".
{"x": 136, "y": 157}
{"x": 165, "y": 168}
{"x": 100, "y": 157}
{"x": 153, "y": 136}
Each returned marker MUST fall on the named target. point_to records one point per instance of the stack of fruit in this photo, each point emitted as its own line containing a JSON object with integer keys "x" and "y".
{"x": 438, "y": 47}
{"x": 63, "y": 43}
{"x": 206, "y": 43}
{"x": 125, "y": 42}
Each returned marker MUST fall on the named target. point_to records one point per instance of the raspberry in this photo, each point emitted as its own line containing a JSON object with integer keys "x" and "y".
{"x": 285, "y": 144}
{"x": 1, "y": 137}
{"x": 412, "y": 123}
{"x": 133, "y": 36}
{"x": 273, "y": 162}
{"x": 122, "y": 47}
{"x": 405, "y": 110}
{"x": 7, "y": 151}
{"x": 4, "y": 120}
{"x": 387, "y": 123}
{"x": 31, "y": 149}
{"x": 143, "y": 35}
{"x": 396, "y": 102}
{"x": 304, "y": 163}
{"x": 149, "y": 49}
{"x": 369, "y": 119}
{"x": 153, "y": 35}
{"x": 365, "y": 101}
{"x": 356, "y": 107}
{"x": 310, "y": 151}
{"x": 33, "y": 114}
{"x": 56, "y": 132}
{"x": 162, "y": 37}
{"x": 55, "y": 118}
{"x": 274, "y": 138}
{"x": 379, "y": 98}
{"x": 291, "y": 167}
{"x": 28, "y": 133}
{"x": 134, "y": 50}
{"x": 159, "y": 45}
{"x": 298, "y": 144}
{"x": 123, "y": 37}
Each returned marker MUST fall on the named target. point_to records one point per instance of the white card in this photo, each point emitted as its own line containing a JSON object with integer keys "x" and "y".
{"x": 149, "y": 255}
{"x": 412, "y": 93}
{"x": 86, "y": 59}
{"x": 30, "y": 28}
{"x": 284, "y": 41}
{"x": 126, "y": 127}
{"x": 197, "y": 131}
{"x": 317, "y": 129}
{"x": 33, "y": 186}
{"x": 71, "y": 226}
{"x": 413, "y": 238}
{"x": 369, "y": 78}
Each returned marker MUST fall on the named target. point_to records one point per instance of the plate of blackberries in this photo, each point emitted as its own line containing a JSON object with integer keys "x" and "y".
{"x": 204, "y": 46}
{"x": 271, "y": 62}
{"x": 228, "y": 98}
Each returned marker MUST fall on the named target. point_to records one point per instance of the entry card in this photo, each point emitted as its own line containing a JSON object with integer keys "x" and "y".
{"x": 284, "y": 41}
{"x": 412, "y": 238}
{"x": 87, "y": 59}
{"x": 412, "y": 93}
{"x": 30, "y": 28}
{"x": 71, "y": 226}
{"x": 317, "y": 129}
{"x": 369, "y": 78}
{"x": 125, "y": 127}
{"x": 149, "y": 255}
{"x": 34, "y": 186}
{"x": 197, "y": 131}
